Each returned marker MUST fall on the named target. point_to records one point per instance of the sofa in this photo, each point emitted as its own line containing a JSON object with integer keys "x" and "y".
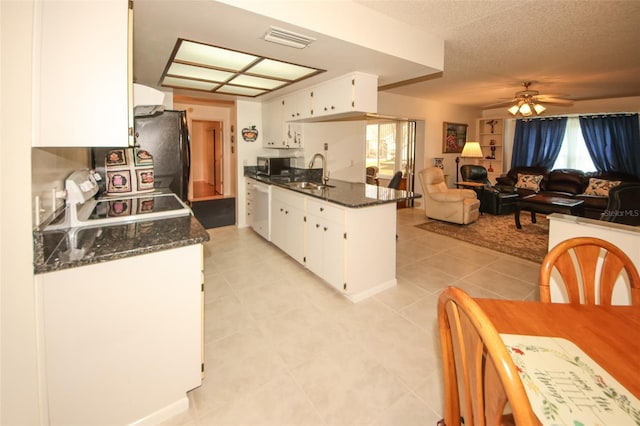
{"x": 591, "y": 187}
{"x": 451, "y": 205}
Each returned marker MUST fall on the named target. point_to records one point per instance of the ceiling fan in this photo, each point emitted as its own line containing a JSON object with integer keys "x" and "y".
{"x": 528, "y": 102}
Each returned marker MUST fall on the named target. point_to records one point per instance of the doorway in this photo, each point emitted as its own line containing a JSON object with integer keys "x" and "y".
{"x": 207, "y": 160}
{"x": 390, "y": 146}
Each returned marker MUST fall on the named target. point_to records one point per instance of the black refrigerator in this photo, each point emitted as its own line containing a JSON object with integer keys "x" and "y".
{"x": 166, "y": 136}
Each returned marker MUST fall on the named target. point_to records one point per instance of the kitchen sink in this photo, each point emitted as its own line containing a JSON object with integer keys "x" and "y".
{"x": 308, "y": 185}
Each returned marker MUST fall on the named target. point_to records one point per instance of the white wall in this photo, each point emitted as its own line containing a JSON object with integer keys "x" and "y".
{"x": 345, "y": 156}
{"x": 248, "y": 113}
{"x": 19, "y": 387}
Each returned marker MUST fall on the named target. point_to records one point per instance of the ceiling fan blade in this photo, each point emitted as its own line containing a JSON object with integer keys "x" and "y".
{"x": 501, "y": 103}
{"x": 551, "y": 100}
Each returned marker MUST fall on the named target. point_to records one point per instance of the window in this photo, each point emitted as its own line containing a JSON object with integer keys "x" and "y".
{"x": 573, "y": 153}
{"x": 388, "y": 146}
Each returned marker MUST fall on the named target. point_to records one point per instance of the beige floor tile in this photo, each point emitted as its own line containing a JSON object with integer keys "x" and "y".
{"x": 284, "y": 348}
{"x": 500, "y": 284}
{"x": 407, "y": 411}
{"x": 279, "y": 402}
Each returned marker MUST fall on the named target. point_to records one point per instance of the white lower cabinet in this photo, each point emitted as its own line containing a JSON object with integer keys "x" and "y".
{"x": 287, "y": 222}
{"x": 121, "y": 341}
{"x": 325, "y": 242}
{"x": 250, "y": 203}
{"x": 352, "y": 249}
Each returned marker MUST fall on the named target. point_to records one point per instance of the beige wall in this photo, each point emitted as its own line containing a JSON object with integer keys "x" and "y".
{"x": 19, "y": 371}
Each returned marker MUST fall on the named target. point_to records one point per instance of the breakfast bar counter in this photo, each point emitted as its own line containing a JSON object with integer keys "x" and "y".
{"x": 346, "y": 194}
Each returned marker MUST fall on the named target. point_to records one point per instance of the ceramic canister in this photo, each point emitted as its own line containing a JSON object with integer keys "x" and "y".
{"x": 128, "y": 171}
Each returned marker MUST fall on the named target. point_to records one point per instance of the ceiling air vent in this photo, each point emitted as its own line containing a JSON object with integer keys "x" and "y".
{"x": 288, "y": 38}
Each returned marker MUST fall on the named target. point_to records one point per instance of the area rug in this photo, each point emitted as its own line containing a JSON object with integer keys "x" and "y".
{"x": 500, "y": 233}
{"x": 215, "y": 213}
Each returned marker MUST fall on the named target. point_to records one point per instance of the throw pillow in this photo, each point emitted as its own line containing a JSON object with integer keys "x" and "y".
{"x": 600, "y": 187}
{"x": 531, "y": 182}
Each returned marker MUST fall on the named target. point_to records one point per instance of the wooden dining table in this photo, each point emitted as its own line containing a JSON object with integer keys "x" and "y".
{"x": 609, "y": 335}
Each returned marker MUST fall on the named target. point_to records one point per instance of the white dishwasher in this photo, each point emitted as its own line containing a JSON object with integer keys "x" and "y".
{"x": 262, "y": 207}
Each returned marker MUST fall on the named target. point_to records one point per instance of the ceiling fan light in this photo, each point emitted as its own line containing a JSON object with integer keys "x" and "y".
{"x": 525, "y": 109}
{"x": 539, "y": 108}
{"x": 514, "y": 109}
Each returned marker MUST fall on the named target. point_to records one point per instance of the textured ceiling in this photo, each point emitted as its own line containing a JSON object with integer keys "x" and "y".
{"x": 581, "y": 50}
{"x": 578, "y": 49}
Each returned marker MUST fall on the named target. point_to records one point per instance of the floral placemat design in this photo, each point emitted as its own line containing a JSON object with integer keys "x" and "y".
{"x": 566, "y": 387}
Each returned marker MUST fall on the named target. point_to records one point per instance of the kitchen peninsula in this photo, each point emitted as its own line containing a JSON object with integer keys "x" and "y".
{"x": 344, "y": 232}
{"x": 119, "y": 311}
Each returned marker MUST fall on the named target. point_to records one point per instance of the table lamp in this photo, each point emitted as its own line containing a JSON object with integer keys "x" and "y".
{"x": 470, "y": 150}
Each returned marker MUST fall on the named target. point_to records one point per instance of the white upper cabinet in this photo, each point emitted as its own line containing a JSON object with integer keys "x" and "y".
{"x": 277, "y": 132}
{"x": 82, "y": 81}
{"x": 355, "y": 92}
{"x": 272, "y": 124}
{"x": 297, "y": 106}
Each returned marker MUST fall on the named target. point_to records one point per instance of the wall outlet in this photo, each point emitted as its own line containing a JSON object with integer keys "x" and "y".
{"x": 326, "y": 146}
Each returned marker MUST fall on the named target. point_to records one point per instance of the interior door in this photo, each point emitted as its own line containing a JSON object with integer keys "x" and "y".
{"x": 218, "y": 158}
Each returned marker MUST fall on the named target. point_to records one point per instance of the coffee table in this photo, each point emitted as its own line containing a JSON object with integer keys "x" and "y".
{"x": 538, "y": 203}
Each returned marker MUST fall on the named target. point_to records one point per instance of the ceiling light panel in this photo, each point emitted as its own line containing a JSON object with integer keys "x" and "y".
{"x": 272, "y": 68}
{"x": 189, "y": 84}
{"x": 213, "y": 56}
{"x": 213, "y": 69}
{"x": 259, "y": 82}
{"x": 201, "y": 73}
{"x": 243, "y": 91}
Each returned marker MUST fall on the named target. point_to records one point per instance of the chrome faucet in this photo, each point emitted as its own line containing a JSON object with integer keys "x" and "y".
{"x": 325, "y": 172}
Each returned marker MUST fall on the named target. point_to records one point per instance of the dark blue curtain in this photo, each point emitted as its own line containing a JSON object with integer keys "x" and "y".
{"x": 613, "y": 142}
{"x": 537, "y": 142}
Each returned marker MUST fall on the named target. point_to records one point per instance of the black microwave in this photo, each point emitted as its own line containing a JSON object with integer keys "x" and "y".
{"x": 273, "y": 166}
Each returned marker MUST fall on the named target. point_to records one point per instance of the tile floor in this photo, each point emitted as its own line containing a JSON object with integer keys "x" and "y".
{"x": 282, "y": 348}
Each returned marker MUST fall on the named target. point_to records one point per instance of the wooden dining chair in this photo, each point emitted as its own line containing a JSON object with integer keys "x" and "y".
{"x": 479, "y": 375}
{"x": 586, "y": 278}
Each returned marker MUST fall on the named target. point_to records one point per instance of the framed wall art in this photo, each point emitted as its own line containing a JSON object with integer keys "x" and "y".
{"x": 454, "y": 136}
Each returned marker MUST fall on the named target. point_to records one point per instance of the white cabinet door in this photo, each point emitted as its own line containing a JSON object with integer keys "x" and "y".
{"x": 333, "y": 97}
{"x": 295, "y": 225}
{"x": 121, "y": 331}
{"x": 272, "y": 124}
{"x": 278, "y": 223}
{"x": 82, "y": 73}
{"x": 324, "y": 244}
{"x": 297, "y": 106}
{"x": 287, "y": 222}
{"x": 314, "y": 246}
{"x": 349, "y": 93}
{"x": 333, "y": 253}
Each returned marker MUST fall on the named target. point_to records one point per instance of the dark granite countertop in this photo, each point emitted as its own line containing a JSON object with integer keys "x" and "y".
{"x": 73, "y": 247}
{"x": 347, "y": 194}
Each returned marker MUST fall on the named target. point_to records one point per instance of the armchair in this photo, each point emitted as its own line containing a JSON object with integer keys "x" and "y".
{"x": 492, "y": 200}
{"x": 451, "y": 205}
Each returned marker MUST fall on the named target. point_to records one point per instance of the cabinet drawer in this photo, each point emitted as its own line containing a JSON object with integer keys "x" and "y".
{"x": 325, "y": 210}
{"x": 288, "y": 197}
